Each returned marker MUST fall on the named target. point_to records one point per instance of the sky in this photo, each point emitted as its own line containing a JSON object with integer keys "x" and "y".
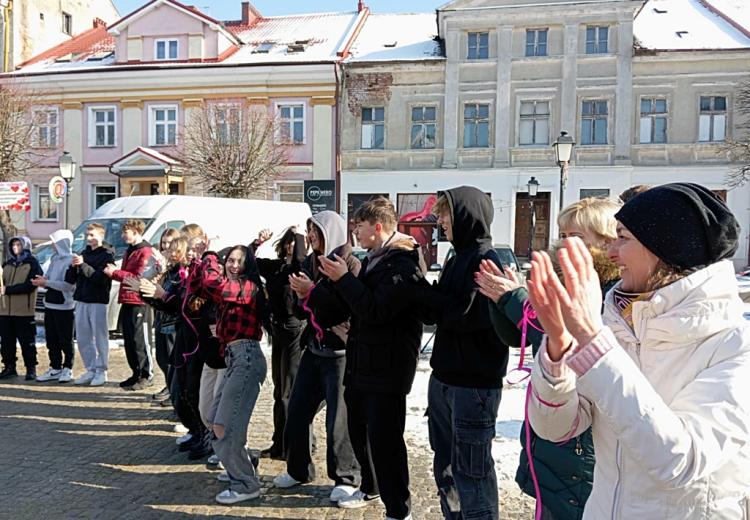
{"x": 230, "y": 9}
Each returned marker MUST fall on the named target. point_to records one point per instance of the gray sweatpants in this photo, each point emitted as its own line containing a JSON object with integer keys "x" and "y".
{"x": 92, "y": 335}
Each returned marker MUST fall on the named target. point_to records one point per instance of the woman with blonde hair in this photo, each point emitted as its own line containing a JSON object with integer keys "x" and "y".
{"x": 662, "y": 376}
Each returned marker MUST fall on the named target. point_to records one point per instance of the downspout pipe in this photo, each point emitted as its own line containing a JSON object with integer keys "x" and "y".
{"x": 7, "y": 12}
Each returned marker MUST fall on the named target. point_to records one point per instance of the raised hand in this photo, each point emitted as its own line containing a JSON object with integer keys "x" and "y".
{"x": 494, "y": 283}
{"x": 300, "y": 284}
{"x": 264, "y": 235}
{"x": 543, "y": 295}
{"x": 333, "y": 269}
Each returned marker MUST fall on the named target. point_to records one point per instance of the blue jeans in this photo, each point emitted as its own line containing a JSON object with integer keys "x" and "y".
{"x": 461, "y": 422}
{"x": 236, "y": 397}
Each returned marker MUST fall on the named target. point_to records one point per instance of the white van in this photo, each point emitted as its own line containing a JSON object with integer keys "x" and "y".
{"x": 227, "y": 222}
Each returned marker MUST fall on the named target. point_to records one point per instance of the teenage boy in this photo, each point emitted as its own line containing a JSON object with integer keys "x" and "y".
{"x": 134, "y": 312}
{"x": 92, "y": 298}
{"x": 18, "y": 295}
{"x": 381, "y": 354}
{"x": 58, "y": 309}
{"x": 468, "y": 361}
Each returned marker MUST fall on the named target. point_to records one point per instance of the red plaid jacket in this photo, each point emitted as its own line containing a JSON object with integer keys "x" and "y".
{"x": 237, "y": 306}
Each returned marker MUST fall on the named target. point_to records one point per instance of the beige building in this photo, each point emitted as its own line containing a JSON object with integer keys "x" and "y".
{"x": 646, "y": 89}
{"x": 28, "y": 27}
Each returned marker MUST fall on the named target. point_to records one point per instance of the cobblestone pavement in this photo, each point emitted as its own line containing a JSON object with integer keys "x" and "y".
{"x": 72, "y": 452}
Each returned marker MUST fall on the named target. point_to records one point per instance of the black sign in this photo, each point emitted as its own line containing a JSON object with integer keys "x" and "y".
{"x": 320, "y": 195}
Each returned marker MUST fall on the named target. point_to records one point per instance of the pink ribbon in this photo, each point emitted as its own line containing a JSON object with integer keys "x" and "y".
{"x": 316, "y": 326}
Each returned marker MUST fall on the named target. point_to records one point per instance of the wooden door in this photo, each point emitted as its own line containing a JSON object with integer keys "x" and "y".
{"x": 523, "y": 223}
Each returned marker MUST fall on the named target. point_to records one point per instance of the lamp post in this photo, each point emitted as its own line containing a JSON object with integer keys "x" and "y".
{"x": 563, "y": 150}
{"x": 532, "y": 187}
{"x": 67, "y": 167}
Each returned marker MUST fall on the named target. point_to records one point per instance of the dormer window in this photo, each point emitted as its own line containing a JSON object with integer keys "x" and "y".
{"x": 263, "y": 48}
{"x": 165, "y": 50}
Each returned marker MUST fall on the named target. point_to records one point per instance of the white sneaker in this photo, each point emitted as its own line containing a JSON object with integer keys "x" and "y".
{"x": 99, "y": 379}
{"x": 284, "y": 481}
{"x": 232, "y": 497}
{"x": 66, "y": 376}
{"x": 50, "y": 375}
{"x": 86, "y": 378}
{"x": 179, "y": 428}
{"x": 341, "y": 492}
{"x": 358, "y": 499}
{"x": 183, "y": 439}
{"x": 213, "y": 461}
{"x": 223, "y": 477}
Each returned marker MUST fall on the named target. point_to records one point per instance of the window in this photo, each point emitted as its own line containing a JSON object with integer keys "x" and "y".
{"x": 45, "y": 122}
{"x": 227, "y": 121}
{"x": 373, "y": 128}
{"x": 653, "y": 120}
{"x": 67, "y": 24}
{"x": 536, "y": 42}
{"x": 713, "y": 118}
{"x": 423, "y": 127}
{"x": 102, "y": 126}
{"x": 479, "y": 44}
{"x": 165, "y": 50}
{"x": 101, "y": 194}
{"x": 46, "y": 210}
{"x": 290, "y": 192}
{"x": 163, "y": 125}
{"x": 601, "y": 193}
{"x": 476, "y": 126}
{"x": 596, "y": 39}
{"x": 292, "y": 122}
{"x": 534, "y": 123}
{"x": 594, "y": 122}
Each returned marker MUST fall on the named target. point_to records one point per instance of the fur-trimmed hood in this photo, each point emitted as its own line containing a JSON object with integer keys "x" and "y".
{"x": 605, "y": 268}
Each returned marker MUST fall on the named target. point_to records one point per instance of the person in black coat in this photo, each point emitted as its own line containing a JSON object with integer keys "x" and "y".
{"x": 382, "y": 351}
{"x": 286, "y": 326}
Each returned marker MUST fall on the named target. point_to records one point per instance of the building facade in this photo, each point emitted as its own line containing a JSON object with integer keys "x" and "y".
{"x": 647, "y": 90}
{"x": 123, "y": 93}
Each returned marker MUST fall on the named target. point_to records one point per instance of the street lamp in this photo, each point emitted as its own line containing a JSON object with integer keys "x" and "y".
{"x": 67, "y": 166}
{"x": 532, "y": 187}
{"x": 563, "y": 150}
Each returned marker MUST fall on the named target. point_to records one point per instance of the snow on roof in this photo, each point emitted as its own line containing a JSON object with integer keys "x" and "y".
{"x": 394, "y": 37}
{"x": 688, "y": 25}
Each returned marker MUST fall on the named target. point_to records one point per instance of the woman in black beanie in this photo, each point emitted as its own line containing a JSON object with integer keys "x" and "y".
{"x": 663, "y": 376}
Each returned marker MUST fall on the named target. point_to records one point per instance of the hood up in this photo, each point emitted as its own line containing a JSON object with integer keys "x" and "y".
{"x": 63, "y": 240}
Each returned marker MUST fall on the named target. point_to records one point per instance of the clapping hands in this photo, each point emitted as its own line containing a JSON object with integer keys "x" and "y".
{"x": 494, "y": 283}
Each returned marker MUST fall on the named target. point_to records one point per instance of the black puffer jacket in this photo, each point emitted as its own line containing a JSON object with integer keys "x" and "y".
{"x": 276, "y": 274}
{"x": 385, "y": 333}
{"x": 92, "y": 285}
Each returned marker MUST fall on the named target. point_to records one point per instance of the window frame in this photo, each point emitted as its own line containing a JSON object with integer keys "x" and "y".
{"x": 536, "y": 32}
{"x": 595, "y": 117}
{"x": 712, "y": 113}
{"x": 152, "y": 124}
{"x": 289, "y": 140}
{"x": 67, "y": 23}
{"x": 478, "y": 45}
{"x": 278, "y": 195}
{"x": 534, "y": 117}
{"x": 597, "y": 39}
{"x": 652, "y": 116}
{"x": 477, "y": 120}
{"x": 373, "y": 123}
{"x": 93, "y": 124}
{"x": 38, "y": 191}
{"x": 238, "y": 130}
{"x": 46, "y": 109}
{"x": 423, "y": 123}
{"x": 166, "y": 42}
{"x": 93, "y": 194}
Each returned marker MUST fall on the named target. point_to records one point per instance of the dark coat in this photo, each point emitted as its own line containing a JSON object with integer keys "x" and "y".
{"x": 276, "y": 273}
{"x": 385, "y": 334}
{"x": 92, "y": 285}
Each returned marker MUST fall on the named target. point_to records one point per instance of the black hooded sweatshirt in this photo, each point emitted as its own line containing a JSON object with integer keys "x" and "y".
{"x": 467, "y": 352}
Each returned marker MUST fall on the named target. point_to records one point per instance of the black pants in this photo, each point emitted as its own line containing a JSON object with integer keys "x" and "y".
{"x": 319, "y": 379}
{"x": 135, "y": 324}
{"x": 21, "y": 329}
{"x": 376, "y": 429}
{"x": 188, "y": 367}
{"x": 164, "y": 346}
{"x": 58, "y": 329}
{"x": 285, "y": 358}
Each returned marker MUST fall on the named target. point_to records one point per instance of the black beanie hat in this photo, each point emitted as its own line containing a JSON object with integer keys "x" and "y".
{"x": 684, "y": 224}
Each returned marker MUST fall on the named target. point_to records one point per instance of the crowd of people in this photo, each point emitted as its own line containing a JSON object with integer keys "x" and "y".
{"x": 637, "y": 402}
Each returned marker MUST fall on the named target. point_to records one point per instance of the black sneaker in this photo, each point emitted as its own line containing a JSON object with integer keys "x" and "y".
{"x": 272, "y": 453}
{"x": 8, "y": 372}
{"x": 140, "y": 384}
{"x": 200, "y": 451}
{"x": 129, "y": 381}
{"x": 30, "y": 374}
{"x": 190, "y": 445}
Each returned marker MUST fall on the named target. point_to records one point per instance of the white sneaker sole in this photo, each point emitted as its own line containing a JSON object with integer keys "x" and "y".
{"x": 285, "y": 485}
{"x": 358, "y": 504}
{"x": 240, "y": 497}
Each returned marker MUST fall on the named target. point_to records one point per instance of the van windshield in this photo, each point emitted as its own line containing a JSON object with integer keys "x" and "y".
{"x": 112, "y": 235}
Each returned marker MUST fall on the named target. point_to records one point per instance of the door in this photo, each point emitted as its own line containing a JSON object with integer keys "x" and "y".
{"x": 522, "y": 238}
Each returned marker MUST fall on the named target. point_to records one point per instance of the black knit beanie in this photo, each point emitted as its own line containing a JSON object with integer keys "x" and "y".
{"x": 684, "y": 224}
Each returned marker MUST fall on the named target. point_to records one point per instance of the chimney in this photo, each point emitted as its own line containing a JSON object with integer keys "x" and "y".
{"x": 249, "y": 14}
{"x": 98, "y": 22}
{"x": 361, "y": 6}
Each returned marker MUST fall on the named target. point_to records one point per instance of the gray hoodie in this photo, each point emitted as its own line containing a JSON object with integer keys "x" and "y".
{"x": 58, "y": 265}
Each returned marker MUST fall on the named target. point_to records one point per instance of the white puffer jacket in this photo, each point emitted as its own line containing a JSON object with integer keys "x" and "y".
{"x": 669, "y": 405}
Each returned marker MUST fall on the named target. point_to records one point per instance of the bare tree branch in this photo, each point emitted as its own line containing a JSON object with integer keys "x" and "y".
{"x": 233, "y": 150}
{"x": 739, "y": 149}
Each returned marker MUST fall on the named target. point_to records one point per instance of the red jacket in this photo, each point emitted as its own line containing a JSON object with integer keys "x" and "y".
{"x": 134, "y": 263}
